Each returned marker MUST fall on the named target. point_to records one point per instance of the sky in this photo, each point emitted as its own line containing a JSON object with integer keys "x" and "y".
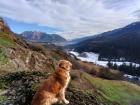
{"x": 69, "y": 18}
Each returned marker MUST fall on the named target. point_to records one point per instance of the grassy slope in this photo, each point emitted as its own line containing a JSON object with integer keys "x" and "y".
{"x": 84, "y": 89}
{"x": 5, "y": 42}
{"x": 120, "y": 92}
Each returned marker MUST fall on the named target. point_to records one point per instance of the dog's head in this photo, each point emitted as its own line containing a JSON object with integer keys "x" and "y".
{"x": 64, "y": 64}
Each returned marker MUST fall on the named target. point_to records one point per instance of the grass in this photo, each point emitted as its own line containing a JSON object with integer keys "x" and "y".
{"x": 3, "y": 57}
{"x": 2, "y": 99}
{"x": 6, "y": 40}
{"x": 5, "y": 43}
{"x": 98, "y": 71}
{"x": 119, "y": 92}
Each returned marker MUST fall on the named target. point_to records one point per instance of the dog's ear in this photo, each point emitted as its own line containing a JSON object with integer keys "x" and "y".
{"x": 63, "y": 64}
{"x": 70, "y": 64}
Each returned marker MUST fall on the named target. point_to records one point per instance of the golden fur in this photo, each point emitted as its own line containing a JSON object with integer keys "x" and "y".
{"x": 53, "y": 89}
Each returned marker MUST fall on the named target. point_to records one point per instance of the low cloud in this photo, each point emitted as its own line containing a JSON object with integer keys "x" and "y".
{"x": 75, "y": 17}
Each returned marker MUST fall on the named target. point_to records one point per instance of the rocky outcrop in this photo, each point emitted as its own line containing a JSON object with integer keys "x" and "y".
{"x": 25, "y": 59}
{"x": 1, "y": 24}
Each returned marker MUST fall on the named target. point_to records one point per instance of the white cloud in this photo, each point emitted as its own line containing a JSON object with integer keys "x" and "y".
{"x": 76, "y": 17}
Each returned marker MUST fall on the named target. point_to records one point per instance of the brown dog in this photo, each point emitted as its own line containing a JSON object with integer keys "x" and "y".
{"x": 53, "y": 89}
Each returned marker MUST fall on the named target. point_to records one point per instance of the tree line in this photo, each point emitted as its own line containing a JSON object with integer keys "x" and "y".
{"x": 130, "y": 69}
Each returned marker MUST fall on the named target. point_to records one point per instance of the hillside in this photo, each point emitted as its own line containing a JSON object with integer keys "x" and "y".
{"x": 23, "y": 66}
{"x": 84, "y": 89}
{"x": 42, "y": 37}
{"x": 123, "y": 42}
{"x": 17, "y": 54}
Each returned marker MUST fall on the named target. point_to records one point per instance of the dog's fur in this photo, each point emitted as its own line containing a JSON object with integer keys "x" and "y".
{"x": 53, "y": 89}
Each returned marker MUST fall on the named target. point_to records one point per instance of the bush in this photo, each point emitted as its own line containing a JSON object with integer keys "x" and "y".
{"x": 38, "y": 48}
{"x": 110, "y": 74}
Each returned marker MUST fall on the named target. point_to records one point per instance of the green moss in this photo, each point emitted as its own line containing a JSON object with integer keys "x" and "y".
{"x": 6, "y": 80}
{"x": 3, "y": 57}
{"x": 2, "y": 99}
{"x": 34, "y": 86}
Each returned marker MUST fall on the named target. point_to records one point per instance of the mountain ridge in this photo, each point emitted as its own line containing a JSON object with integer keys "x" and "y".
{"x": 37, "y": 36}
{"x": 122, "y": 42}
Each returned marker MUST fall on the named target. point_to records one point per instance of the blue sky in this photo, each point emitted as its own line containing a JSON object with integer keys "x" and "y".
{"x": 69, "y": 18}
{"x": 19, "y": 27}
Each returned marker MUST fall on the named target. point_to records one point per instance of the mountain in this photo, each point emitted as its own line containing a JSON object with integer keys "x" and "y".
{"x": 42, "y": 37}
{"x": 123, "y": 42}
{"x": 24, "y": 65}
{"x": 16, "y": 54}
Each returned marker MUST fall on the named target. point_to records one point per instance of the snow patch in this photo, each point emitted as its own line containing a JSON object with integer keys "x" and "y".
{"x": 93, "y": 57}
{"x": 132, "y": 77}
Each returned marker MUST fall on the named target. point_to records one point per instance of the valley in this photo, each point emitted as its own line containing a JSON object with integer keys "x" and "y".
{"x": 94, "y": 58}
{"x": 24, "y": 65}
{"x": 70, "y": 52}
{"x": 115, "y": 44}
